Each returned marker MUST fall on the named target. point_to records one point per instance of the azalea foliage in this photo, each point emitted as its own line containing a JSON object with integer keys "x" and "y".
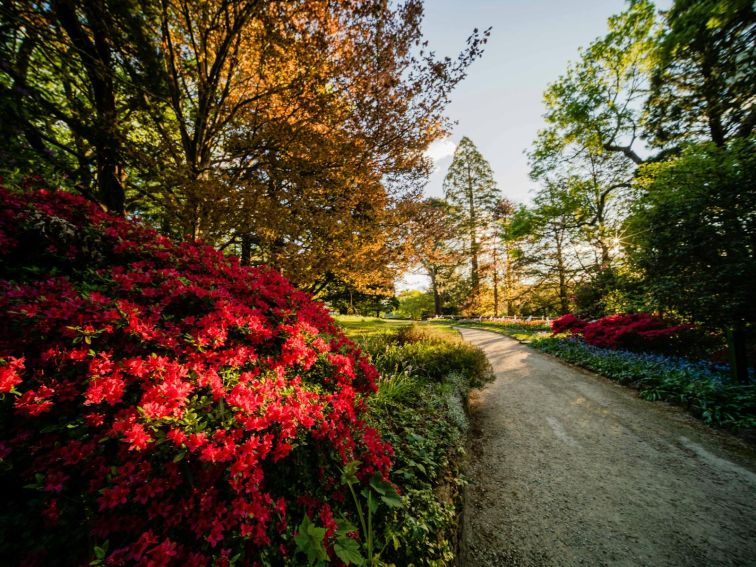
{"x": 568, "y": 323}
{"x": 160, "y": 404}
{"x": 631, "y": 331}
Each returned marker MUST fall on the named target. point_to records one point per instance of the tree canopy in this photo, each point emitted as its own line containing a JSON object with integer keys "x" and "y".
{"x": 664, "y": 226}
{"x": 273, "y": 128}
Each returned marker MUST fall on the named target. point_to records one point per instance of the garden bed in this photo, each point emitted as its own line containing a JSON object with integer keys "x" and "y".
{"x": 420, "y": 408}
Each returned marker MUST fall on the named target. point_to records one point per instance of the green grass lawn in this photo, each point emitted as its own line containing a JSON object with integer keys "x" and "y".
{"x": 357, "y": 325}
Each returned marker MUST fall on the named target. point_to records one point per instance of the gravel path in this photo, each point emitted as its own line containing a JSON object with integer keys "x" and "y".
{"x": 568, "y": 468}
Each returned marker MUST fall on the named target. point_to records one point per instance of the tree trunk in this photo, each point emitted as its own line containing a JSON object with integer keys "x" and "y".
{"x": 110, "y": 176}
{"x": 495, "y": 282}
{"x": 712, "y": 97}
{"x": 474, "y": 278}
{"x": 564, "y": 305}
{"x": 96, "y": 57}
{"x": 508, "y": 279}
{"x": 246, "y": 250}
{"x": 736, "y": 339}
{"x": 436, "y": 295}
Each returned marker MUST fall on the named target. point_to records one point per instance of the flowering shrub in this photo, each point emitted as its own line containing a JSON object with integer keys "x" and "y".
{"x": 568, "y": 323}
{"x": 160, "y": 404}
{"x": 636, "y": 331}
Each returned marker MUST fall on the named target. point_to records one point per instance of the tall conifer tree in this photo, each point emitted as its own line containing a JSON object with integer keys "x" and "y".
{"x": 469, "y": 186}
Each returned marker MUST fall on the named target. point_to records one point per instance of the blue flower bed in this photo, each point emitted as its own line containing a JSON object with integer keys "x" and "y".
{"x": 707, "y": 390}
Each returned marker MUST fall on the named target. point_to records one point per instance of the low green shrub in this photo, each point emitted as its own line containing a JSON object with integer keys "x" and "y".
{"x": 426, "y": 375}
{"x": 428, "y": 354}
{"x": 428, "y": 424}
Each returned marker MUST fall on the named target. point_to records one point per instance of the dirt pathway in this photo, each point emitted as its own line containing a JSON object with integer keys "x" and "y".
{"x": 568, "y": 468}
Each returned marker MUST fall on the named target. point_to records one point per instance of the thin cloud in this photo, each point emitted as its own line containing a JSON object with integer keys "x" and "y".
{"x": 440, "y": 149}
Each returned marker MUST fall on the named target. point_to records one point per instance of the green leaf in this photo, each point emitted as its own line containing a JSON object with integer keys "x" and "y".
{"x": 372, "y": 503}
{"x": 348, "y": 550}
{"x": 100, "y": 552}
{"x": 392, "y": 500}
{"x": 380, "y": 485}
{"x": 345, "y": 527}
{"x": 309, "y": 540}
{"x": 386, "y": 491}
{"x": 349, "y": 474}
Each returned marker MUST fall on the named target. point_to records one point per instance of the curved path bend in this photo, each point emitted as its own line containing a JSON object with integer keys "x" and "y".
{"x": 568, "y": 468}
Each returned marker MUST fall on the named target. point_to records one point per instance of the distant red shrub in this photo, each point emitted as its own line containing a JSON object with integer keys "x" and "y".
{"x": 163, "y": 399}
{"x": 568, "y": 323}
{"x": 636, "y": 331}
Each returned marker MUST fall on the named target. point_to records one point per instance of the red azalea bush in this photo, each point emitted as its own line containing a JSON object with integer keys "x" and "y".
{"x": 634, "y": 331}
{"x": 568, "y": 323}
{"x": 161, "y": 403}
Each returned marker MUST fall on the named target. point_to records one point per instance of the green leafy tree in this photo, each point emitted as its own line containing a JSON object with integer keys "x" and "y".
{"x": 587, "y": 154}
{"x": 64, "y": 101}
{"x": 547, "y": 232}
{"x": 703, "y": 84}
{"x": 693, "y": 234}
{"x": 596, "y": 105}
{"x": 414, "y": 304}
{"x": 348, "y": 300}
{"x": 469, "y": 186}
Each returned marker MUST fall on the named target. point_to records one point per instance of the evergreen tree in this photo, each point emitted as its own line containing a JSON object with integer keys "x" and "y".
{"x": 469, "y": 186}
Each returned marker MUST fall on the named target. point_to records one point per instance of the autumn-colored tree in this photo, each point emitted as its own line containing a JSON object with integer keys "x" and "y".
{"x": 434, "y": 244}
{"x": 288, "y": 131}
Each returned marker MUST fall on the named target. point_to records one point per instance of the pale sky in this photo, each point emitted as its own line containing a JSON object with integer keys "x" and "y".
{"x": 499, "y": 105}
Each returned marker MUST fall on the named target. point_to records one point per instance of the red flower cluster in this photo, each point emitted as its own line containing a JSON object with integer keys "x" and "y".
{"x": 163, "y": 399}
{"x": 635, "y": 331}
{"x": 568, "y": 324}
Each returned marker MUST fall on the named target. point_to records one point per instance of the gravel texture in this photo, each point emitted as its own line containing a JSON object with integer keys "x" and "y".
{"x": 568, "y": 468}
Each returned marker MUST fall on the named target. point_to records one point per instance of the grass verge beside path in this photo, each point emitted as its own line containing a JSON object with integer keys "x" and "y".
{"x": 523, "y": 331}
{"x": 357, "y": 325}
{"x": 420, "y": 408}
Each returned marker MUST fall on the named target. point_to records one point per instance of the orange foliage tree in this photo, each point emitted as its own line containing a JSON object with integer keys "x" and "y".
{"x": 288, "y": 131}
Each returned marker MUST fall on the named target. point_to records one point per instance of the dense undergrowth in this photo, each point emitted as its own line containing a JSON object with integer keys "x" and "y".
{"x": 420, "y": 409}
